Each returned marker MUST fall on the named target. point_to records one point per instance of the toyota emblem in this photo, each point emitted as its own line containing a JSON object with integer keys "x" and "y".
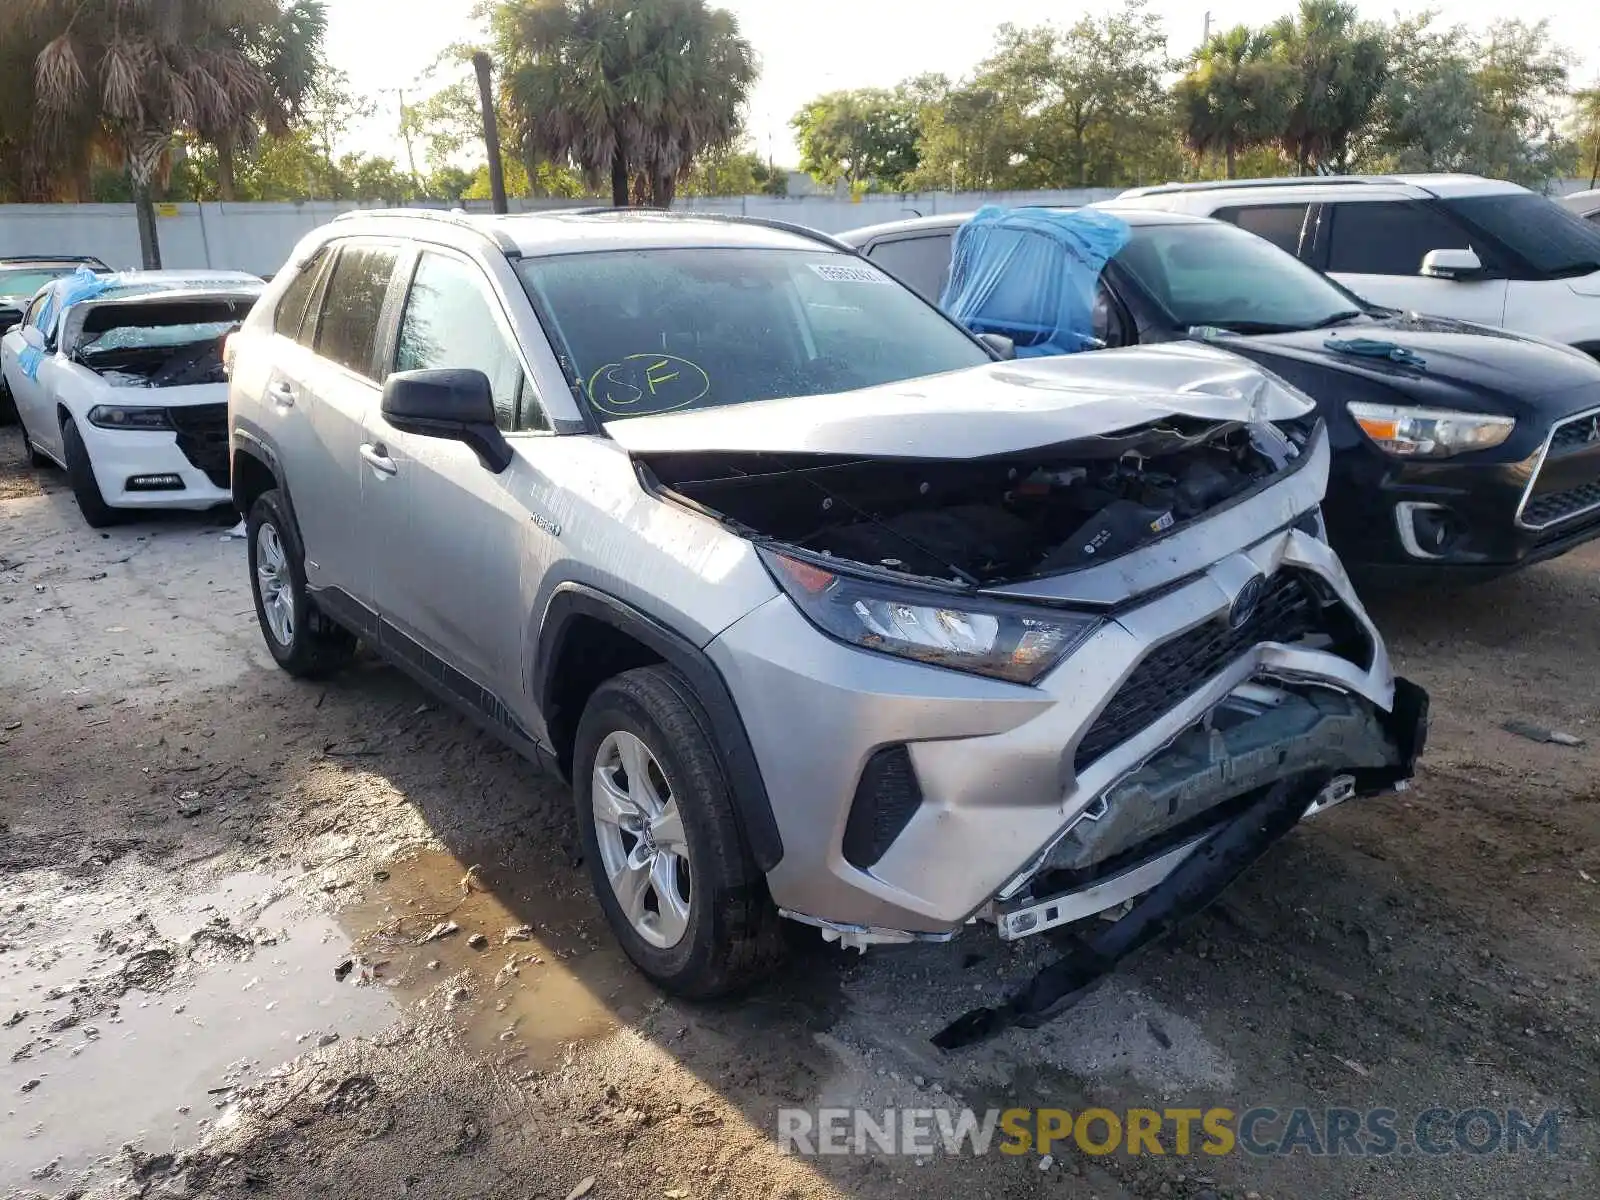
{"x": 1246, "y": 602}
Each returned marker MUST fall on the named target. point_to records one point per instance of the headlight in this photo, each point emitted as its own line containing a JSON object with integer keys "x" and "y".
{"x": 988, "y": 639}
{"x": 1429, "y": 432}
{"x": 126, "y": 416}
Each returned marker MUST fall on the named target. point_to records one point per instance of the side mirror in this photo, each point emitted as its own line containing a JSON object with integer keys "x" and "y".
{"x": 1451, "y": 264}
{"x": 1000, "y": 344}
{"x": 32, "y": 337}
{"x": 455, "y": 404}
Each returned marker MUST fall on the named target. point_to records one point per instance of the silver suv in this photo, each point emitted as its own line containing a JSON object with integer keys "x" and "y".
{"x": 827, "y": 609}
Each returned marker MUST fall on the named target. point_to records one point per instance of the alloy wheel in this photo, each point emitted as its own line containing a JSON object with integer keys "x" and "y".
{"x": 274, "y": 584}
{"x": 641, "y": 839}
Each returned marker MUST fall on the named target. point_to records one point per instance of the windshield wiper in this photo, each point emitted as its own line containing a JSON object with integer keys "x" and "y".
{"x": 1338, "y": 318}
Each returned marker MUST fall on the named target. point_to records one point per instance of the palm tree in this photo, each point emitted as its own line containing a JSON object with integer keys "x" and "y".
{"x": 1232, "y": 98}
{"x": 142, "y": 72}
{"x": 1338, "y": 66}
{"x": 633, "y": 89}
{"x": 289, "y": 53}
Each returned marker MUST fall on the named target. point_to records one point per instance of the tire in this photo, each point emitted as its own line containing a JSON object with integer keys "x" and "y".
{"x": 85, "y": 489}
{"x": 35, "y": 458}
{"x": 8, "y": 405}
{"x": 727, "y": 930}
{"x": 304, "y": 642}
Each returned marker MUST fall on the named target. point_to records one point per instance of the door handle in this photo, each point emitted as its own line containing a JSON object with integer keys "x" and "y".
{"x": 375, "y": 457}
{"x": 280, "y": 393}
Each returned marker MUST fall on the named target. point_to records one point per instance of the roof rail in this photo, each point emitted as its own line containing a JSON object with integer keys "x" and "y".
{"x": 804, "y": 231}
{"x": 456, "y": 217}
{"x": 1282, "y": 181}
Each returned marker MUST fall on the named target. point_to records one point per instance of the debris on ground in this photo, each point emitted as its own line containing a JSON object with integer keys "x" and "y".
{"x": 1538, "y": 733}
{"x": 442, "y": 930}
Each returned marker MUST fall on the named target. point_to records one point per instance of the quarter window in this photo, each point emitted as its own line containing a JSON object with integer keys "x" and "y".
{"x": 1280, "y": 224}
{"x": 1388, "y": 237}
{"x": 921, "y": 263}
{"x": 291, "y": 312}
{"x": 347, "y": 331}
{"x": 451, "y": 322}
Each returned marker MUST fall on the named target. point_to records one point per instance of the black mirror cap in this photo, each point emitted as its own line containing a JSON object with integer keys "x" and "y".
{"x": 456, "y": 403}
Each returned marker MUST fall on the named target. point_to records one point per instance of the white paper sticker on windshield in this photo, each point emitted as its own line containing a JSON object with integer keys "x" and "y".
{"x": 848, "y": 273}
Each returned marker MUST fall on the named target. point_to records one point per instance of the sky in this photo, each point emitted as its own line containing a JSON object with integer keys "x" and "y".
{"x": 823, "y": 45}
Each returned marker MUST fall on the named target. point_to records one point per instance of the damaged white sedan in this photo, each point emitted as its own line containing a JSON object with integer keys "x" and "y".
{"x": 118, "y": 378}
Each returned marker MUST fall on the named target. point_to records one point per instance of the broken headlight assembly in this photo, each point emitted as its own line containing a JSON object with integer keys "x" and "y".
{"x": 965, "y": 634}
{"x": 1429, "y": 432}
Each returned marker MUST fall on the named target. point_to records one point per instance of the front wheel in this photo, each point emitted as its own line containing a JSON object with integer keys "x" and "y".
{"x": 301, "y": 640}
{"x": 80, "y": 473}
{"x": 669, "y": 864}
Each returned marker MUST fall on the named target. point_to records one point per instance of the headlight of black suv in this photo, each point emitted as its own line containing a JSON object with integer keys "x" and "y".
{"x": 960, "y": 632}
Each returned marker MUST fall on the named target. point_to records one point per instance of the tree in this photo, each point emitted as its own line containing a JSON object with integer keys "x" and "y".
{"x": 734, "y": 173}
{"x": 857, "y": 136}
{"x": 1455, "y": 101}
{"x": 1080, "y": 107}
{"x": 138, "y": 74}
{"x": 1234, "y": 97}
{"x": 331, "y": 111}
{"x": 1336, "y": 66}
{"x": 625, "y": 88}
{"x": 288, "y": 51}
{"x": 1586, "y": 128}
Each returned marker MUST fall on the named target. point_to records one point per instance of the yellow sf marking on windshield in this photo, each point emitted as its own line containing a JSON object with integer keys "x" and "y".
{"x": 651, "y": 378}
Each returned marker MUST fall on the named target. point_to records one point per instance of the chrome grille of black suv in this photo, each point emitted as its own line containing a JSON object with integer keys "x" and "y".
{"x": 1558, "y": 506}
{"x": 1293, "y": 607}
{"x": 203, "y": 438}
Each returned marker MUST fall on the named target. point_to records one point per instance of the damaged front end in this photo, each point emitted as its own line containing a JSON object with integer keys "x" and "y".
{"x": 1153, "y": 667}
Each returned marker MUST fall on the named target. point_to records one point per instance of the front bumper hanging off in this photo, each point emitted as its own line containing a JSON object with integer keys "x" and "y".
{"x": 1196, "y": 869}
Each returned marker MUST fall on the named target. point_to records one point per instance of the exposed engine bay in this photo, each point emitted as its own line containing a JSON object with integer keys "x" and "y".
{"x": 159, "y": 344}
{"x": 988, "y": 521}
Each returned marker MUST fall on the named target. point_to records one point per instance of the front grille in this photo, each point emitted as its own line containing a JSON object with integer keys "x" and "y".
{"x": 1558, "y": 506}
{"x": 885, "y": 801}
{"x": 1290, "y": 610}
{"x": 203, "y": 438}
{"x": 1574, "y": 435}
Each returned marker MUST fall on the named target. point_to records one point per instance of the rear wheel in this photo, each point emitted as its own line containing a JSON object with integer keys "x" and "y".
{"x": 85, "y": 489}
{"x": 8, "y": 403}
{"x": 300, "y": 638}
{"x": 669, "y": 864}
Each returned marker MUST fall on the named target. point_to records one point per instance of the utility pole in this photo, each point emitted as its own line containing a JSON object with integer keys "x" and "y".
{"x": 1206, "y": 36}
{"x": 491, "y": 130}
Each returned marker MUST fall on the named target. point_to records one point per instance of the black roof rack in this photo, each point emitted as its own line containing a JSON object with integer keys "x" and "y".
{"x": 457, "y": 217}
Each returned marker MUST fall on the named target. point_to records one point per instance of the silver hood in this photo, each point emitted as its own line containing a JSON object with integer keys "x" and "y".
{"x": 1001, "y": 408}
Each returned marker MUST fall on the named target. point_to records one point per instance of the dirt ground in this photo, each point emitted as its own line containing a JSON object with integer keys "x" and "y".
{"x": 218, "y": 886}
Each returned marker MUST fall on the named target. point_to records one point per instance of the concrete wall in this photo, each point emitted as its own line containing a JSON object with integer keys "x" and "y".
{"x": 258, "y": 237}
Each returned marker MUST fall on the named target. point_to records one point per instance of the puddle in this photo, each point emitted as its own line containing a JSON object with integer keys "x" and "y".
{"x": 154, "y": 1068}
{"x": 558, "y": 979}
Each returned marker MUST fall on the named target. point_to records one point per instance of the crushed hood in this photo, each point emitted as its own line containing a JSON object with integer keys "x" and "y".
{"x": 1001, "y": 408}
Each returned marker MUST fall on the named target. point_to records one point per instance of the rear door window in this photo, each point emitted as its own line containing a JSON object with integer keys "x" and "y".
{"x": 347, "y": 331}
{"x": 1280, "y": 224}
{"x": 921, "y": 263}
{"x": 1388, "y": 237}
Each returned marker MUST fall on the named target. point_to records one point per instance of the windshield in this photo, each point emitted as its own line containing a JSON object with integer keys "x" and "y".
{"x": 1218, "y": 274}
{"x": 655, "y": 331}
{"x": 1552, "y": 240}
{"x": 25, "y": 281}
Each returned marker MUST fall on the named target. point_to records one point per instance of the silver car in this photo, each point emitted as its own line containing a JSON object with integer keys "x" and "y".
{"x": 827, "y": 609}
